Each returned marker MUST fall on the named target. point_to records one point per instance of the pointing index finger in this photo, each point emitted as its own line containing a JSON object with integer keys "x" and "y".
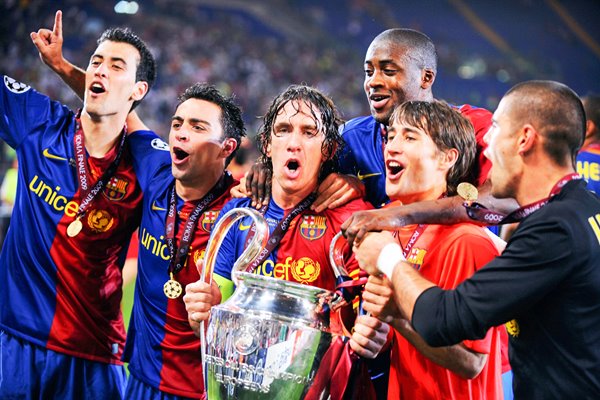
{"x": 58, "y": 24}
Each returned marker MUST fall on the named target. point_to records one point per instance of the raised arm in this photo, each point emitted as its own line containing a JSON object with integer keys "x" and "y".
{"x": 49, "y": 44}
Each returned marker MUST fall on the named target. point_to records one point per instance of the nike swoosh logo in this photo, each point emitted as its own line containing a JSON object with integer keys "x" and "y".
{"x": 361, "y": 177}
{"x": 244, "y": 227}
{"x": 157, "y": 208}
{"x": 47, "y": 154}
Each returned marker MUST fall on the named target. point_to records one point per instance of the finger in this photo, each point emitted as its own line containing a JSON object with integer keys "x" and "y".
{"x": 340, "y": 201}
{"x": 267, "y": 190}
{"x": 262, "y": 182}
{"x": 58, "y": 24}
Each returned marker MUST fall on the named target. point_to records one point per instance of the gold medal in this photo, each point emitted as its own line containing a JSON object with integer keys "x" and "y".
{"x": 74, "y": 228}
{"x": 467, "y": 191}
{"x": 172, "y": 288}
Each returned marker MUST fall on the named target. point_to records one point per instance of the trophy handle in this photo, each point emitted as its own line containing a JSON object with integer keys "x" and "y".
{"x": 252, "y": 251}
{"x": 336, "y": 256}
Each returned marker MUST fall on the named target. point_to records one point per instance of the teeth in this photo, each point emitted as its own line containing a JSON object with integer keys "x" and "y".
{"x": 394, "y": 164}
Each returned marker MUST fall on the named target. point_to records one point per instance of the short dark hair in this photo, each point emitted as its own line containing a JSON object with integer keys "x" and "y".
{"x": 556, "y": 112}
{"x": 146, "y": 68}
{"x": 421, "y": 48}
{"x": 231, "y": 115}
{"x": 330, "y": 121}
{"x": 448, "y": 129}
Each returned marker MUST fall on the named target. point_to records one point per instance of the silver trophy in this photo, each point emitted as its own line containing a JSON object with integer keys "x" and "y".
{"x": 272, "y": 339}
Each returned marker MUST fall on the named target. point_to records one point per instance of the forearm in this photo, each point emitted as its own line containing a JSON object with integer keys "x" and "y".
{"x": 72, "y": 75}
{"x": 408, "y": 285}
{"x": 458, "y": 359}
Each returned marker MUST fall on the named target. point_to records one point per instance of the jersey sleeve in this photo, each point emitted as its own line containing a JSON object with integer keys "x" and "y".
{"x": 24, "y": 110}
{"x": 536, "y": 260}
{"x": 150, "y": 154}
{"x": 346, "y": 161}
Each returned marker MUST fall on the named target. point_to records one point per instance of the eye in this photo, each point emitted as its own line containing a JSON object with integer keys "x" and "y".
{"x": 94, "y": 63}
{"x": 200, "y": 128}
{"x": 389, "y": 71}
{"x": 368, "y": 72}
{"x": 175, "y": 124}
{"x": 117, "y": 67}
{"x": 311, "y": 132}
{"x": 280, "y": 131}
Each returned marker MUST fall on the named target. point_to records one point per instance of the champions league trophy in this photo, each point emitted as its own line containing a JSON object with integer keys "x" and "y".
{"x": 272, "y": 339}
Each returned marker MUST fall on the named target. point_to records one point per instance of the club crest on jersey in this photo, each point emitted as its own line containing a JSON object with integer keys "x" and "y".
{"x": 512, "y": 327}
{"x": 15, "y": 86}
{"x": 100, "y": 221}
{"x": 305, "y": 270}
{"x": 312, "y": 227}
{"x": 208, "y": 220}
{"x": 116, "y": 188}
{"x": 415, "y": 257}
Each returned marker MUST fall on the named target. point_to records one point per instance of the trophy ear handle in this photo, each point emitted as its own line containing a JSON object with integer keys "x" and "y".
{"x": 200, "y": 265}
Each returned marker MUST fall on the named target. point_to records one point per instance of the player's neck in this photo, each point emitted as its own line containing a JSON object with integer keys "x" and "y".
{"x": 287, "y": 200}
{"x": 432, "y": 193}
{"x": 100, "y": 135}
{"x": 195, "y": 189}
{"x": 536, "y": 184}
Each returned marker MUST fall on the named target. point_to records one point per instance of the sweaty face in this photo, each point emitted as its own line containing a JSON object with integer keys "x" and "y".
{"x": 195, "y": 141}
{"x": 391, "y": 78}
{"x": 295, "y": 150}
{"x": 110, "y": 84}
{"x": 415, "y": 170}
{"x": 501, "y": 151}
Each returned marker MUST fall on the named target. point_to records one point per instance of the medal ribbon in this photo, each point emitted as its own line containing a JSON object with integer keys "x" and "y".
{"x": 479, "y": 212}
{"x": 179, "y": 256}
{"x": 88, "y": 194}
{"x": 279, "y": 231}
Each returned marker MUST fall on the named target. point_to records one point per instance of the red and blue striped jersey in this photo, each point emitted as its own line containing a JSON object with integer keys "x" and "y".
{"x": 162, "y": 349}
{"x": 61, "y": 292}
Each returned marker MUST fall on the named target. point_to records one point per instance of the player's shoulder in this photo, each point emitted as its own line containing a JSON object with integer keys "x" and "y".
{"x": 358, "y": 125}
{"x": 343, "y": 212}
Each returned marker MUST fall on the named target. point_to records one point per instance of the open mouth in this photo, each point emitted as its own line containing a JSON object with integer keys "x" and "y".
{"x": 97, "y": 88}
{"x": 292, "y": 165}
{"x": 394, "y": 168}
{"x": 179, "y": 155}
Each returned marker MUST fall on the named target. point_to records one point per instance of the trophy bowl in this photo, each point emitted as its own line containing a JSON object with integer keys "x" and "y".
{"x": 269, "y": 340}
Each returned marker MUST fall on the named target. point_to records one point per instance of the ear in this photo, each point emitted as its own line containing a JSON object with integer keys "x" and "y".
{"x": 527, "y": 139}
{"x": 228, "y": 146}
{"x": 268, "y": 150}
{"x": 139, "y": 90}
{"x": 590, "y": 129}
{"x": 448, "y": 159}
{"x": 427, "y": 78}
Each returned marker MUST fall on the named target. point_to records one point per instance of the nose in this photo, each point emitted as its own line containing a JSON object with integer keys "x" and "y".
{"x": 375, "y": 80}
{"x": 294, "y": 140}
{"x": 100, "y": 70}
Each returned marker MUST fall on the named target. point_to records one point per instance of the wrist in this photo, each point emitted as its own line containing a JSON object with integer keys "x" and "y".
{"x": 388, "y": 258}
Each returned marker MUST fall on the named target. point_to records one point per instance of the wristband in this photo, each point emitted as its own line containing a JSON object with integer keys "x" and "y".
{"x": 389, "y": 257}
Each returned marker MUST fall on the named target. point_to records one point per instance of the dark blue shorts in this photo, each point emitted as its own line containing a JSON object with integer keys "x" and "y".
{"x": 28, "y": 371}
{"x": 136, "y": 389}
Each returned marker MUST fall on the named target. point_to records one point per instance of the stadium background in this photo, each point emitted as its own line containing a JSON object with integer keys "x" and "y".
{"x": 255, "y": 49}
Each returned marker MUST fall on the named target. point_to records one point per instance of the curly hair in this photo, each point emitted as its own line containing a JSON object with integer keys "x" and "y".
{"x": 328, "y": 122}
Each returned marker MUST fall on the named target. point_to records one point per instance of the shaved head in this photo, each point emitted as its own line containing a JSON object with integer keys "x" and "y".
{"x": 555, "y": 111}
